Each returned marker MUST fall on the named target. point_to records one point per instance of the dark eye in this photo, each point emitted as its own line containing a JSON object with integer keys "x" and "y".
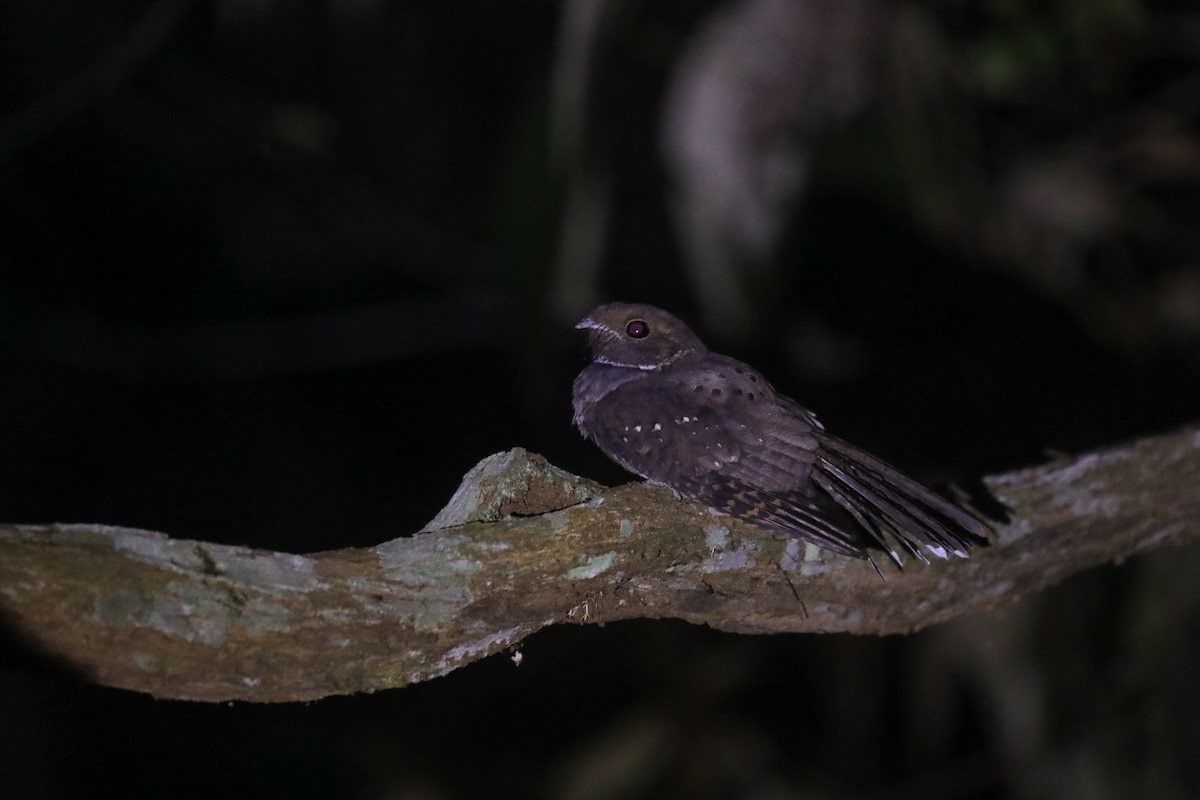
{"x": 637, "y": 329}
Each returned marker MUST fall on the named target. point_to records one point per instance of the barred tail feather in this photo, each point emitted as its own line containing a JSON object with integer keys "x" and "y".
{"x": 921, "y": 520}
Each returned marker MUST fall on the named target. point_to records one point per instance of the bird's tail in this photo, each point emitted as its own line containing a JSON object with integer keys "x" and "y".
{"x": 888, "y": 504}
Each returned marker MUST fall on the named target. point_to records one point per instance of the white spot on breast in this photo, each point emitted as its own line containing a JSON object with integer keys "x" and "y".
{"x": 637, "y": 428}
{"x": 658, "y": 426}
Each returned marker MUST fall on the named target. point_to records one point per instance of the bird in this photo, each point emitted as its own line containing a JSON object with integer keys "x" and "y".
{"x": 664, "y": 407}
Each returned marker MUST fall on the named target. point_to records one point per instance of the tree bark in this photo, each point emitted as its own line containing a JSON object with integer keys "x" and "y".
{"x": 523, "y": 545}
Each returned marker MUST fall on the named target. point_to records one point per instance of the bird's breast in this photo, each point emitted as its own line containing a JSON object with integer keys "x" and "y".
{"x": 594, "y": 384}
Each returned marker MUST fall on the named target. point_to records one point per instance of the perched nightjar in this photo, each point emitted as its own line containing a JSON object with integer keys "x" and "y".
{"x": 664, "y": 407}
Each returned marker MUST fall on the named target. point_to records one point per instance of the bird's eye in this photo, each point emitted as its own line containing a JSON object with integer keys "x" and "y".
{"x": 637, "y": 329}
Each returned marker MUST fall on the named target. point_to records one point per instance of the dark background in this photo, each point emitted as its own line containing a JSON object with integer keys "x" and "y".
{"x": 279, "y": 273}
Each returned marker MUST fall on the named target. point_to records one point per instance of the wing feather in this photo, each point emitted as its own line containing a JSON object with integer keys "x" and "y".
{"x": 724, "y": 437}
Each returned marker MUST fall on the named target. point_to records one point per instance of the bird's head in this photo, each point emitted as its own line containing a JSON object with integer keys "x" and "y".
{"x": 637, "y": 335}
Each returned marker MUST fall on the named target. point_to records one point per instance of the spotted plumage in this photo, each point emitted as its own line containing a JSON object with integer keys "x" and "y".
{"x": 657, "y": 402}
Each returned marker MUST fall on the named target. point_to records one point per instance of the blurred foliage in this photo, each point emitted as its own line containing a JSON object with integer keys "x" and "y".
{"x": 1023, "y": 42}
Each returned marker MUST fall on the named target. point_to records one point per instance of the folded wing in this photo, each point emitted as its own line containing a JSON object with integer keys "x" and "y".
{"x": 727, "y": 440}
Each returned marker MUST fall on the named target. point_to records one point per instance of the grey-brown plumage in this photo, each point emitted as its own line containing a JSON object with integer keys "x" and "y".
{"x": 657, "y": 402}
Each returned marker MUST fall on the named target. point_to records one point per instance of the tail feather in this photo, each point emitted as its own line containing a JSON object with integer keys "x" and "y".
{"x": 873, "y": 526}
{"x": 918, "y": 518}
{"x": 899, "y": 512}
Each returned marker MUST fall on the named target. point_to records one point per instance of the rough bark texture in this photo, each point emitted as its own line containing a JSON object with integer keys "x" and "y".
{"x": 523, "y": 545}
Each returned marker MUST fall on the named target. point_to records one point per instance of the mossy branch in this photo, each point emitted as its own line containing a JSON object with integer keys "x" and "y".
{"x": 523, "y": 545}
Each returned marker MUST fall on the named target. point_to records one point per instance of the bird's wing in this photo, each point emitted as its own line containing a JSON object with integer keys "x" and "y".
{"x": 811, "y": 516}
{"x": 724, "y": 437}
{"x": 703, "y": 434}
{"x": 660, "y": 429}
{"x": 796, "y": 478}
{"x": 769, "y": 478}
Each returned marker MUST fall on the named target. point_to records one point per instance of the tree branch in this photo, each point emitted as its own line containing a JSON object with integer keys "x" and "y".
{"x": 523, "y": 545}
